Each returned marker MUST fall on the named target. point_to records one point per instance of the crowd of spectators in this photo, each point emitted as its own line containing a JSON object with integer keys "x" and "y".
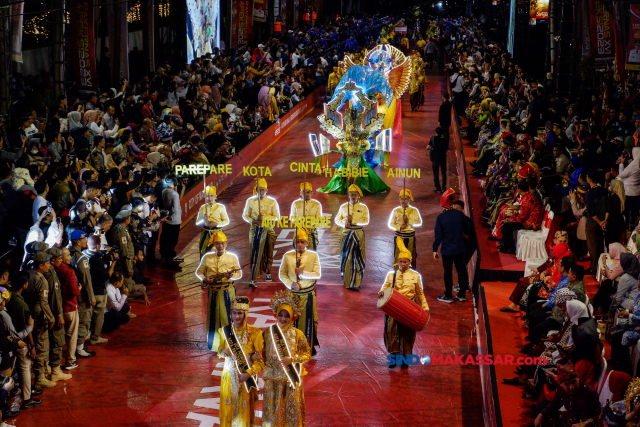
{"x": 578, "y": 156}
{"x": 87, "y": 187}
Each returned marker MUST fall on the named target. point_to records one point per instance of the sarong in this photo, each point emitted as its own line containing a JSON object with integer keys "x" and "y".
{"x": 352, "y": 257}
{"x": 308, "y": 320}
{"x": 262, "y": 241}
{"x": 282, "y": 405}
{"x": 205, "y": 237}
{"x": 237, "y": 406}
{"x": 219, "y": 313}
{"x": 398, "y": 338}
{"x": 409, "y": 239}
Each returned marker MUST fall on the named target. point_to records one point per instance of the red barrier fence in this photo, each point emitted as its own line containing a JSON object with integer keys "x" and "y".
{"x": 193, "y": 199}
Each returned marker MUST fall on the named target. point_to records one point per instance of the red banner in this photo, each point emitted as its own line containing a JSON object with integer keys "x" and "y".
{"x": 633, "y": 44}
{"x": 83, "y": 54}
{"x": 602, "y": 34}
{"x": 242, "y": 23}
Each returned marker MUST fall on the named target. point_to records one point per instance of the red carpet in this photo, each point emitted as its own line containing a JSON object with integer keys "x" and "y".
{"x": 156, "y": 370}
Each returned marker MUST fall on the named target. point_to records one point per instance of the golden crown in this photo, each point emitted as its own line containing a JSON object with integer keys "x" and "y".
{"x": 285, "y": 297}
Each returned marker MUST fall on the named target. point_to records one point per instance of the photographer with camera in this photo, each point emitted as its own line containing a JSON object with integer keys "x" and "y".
{"x": 102, "y": 263}
{"x": 102, "y": 227}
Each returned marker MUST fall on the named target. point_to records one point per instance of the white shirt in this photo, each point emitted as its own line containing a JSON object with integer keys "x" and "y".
{"x": 115, "y": 299}
{"x": 37, "y": 204}
{"x": 294, "y": 59}
{"x": 630, "y": 176}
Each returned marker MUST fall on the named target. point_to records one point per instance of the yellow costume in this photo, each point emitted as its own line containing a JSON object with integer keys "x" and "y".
{"x": 311, "y": 208}
{"x": 309, "y": 262}
{"x": 408, "y": 234}
{"x": 221, "y": 292}
{"x": 352, "y": 255}
{"x": 237, "y": 406}
{"x": 283, "y": 404}
{"x": 262, "y": 239}
{"x": 399, "y": 338}
{"x": 214, "y": 212}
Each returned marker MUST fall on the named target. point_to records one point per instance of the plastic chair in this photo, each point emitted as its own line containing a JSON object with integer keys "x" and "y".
{"x": 533, "y": 243}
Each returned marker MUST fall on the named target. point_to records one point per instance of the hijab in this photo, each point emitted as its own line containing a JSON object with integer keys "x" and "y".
{"x": 91, "y": 113}
{"x": 615, "y": 250}
{"x": 75, "y": 120}
{"x": 630, "y": 264}
{"x": 575, "y": 310}
{"x": 616, "y": 186}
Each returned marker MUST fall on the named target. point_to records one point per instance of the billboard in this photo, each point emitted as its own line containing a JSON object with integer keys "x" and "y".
{"x": 633, "y": 44}
{"x": 83, "y": 58}
{"x": 538, "y": 11}
{"x": 203, "y": 27}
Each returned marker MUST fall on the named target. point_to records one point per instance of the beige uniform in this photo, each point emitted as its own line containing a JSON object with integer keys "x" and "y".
{"x": 215, "y": 212}
{"x": 312, "y": 208}
{"x": 268, "y": 207}
{"x": 413, "y": 215}
{"x": 359, "y": 213}
{"x": 309, "y": 262}
{"x": 408, "y": 284}
{"x": 212, "y": 264}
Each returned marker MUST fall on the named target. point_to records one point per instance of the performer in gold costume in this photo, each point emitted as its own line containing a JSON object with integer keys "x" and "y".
{"x": 399, "y": 338}
{"x": 299, "y": 271}
{"x": 211, "y": 217}
{"x": 218, "y": 270}
{"x": 352, "y": 217}
{"x": 403, "y": 220}
{"x": 261, "y": 238}
{"x": 241, "y": 348}
{"x": 285, "y": 351}
{"x": 307, "y": 207}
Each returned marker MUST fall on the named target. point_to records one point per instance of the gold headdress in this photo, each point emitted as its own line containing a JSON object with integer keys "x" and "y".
{"x": 210, "y": 189}
{"x": 406, "y": 192}
{"x": 301, "y": 234}
{"x": 354, "y": 188}
{"x": 218, "y": 237}
{"x": 240, "y": 303}
{"x": 285, "y": 300}
{"x": 404, "y": 252}
{"x": 305, "y": 186}
{"x": 261, "y": 183}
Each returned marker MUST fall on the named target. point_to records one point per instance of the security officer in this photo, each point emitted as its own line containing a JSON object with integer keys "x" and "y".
{"x": 122, "y": 239}
{"x": 43, "y": 319}
{"x": 56, "y": 335}
{"x": 86, "y": 299}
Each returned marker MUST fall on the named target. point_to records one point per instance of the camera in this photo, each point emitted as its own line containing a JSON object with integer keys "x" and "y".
{"x": 164, "y": 213}
{"x": 115, "y": 249}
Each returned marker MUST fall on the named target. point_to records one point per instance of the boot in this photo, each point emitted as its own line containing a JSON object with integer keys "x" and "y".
{"x": 58, "y": 375}
{"x": 43, "y": 382}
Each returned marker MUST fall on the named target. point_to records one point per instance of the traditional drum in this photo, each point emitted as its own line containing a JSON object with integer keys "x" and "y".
{"x": 403, "y": 310}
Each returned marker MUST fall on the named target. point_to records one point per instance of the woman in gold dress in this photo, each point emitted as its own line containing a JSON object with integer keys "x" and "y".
{"x": 285, "y": 351}
{"x": 241, "y": 349}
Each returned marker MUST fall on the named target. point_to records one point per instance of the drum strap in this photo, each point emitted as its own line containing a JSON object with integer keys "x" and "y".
{"x": 394, "y": 279}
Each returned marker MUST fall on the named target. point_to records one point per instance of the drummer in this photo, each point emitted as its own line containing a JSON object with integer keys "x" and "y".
{"x": 399, "y": 338}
